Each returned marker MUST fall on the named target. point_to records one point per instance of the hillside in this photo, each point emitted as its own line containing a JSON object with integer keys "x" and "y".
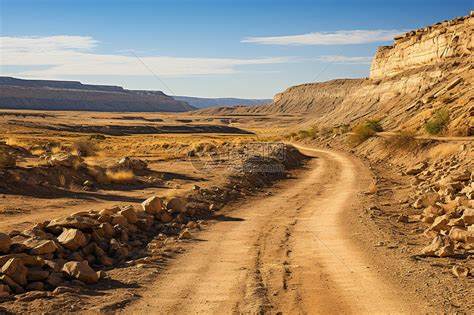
{"x": 423, "y": 71}
{"x": 73, "y": 95}
{"x": 203, "y": 102}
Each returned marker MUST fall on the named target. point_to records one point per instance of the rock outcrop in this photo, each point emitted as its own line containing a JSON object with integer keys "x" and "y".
{"x": 430, "y": 45}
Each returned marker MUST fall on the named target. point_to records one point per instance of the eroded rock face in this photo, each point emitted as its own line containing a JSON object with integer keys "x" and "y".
{"x": 427, "y": 46}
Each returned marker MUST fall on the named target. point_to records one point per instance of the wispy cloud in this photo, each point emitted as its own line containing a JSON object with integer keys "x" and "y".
{"x": 344, "y": 59}
{"x": 349, "y": 37}
{"x": 74, "y": 55}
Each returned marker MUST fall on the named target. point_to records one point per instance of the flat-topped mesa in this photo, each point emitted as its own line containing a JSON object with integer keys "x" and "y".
{"x": 426, "y": 46}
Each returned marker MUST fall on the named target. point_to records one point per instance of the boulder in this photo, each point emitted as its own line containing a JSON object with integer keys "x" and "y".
{"x": 130, "y": 214}
{"x": 41, "y": 247}
{"x": 152, "y": 205}
{"x": 74, "y": 222}
{"x": 460, "y": 271}
{"x": 468, "y": 216}
{"x": 12, "y": 284}
{"x": 176, "y": 204}
{"x": 440, "y": 223}
{"x": 417, "y": 169}
{"x": 441, "y": 246}
{"x": 118, "y": 219}
{"x": 55, "y": 279}
{"x": 5, "y": 243}
{"x": 16, "y": 270}
{"x": 81, "y": 271}
{"x": 27, "y": 260}
{"x": 107, "y": 229}
{"x": 72, "y": 239}
{"x": 35, "y": 286}
{"x": 185, "y": 235}
{"x": 165, "y": 217}
{"x": 426, "y": 200}
{"x": 461, "y": 235}
{"x": 37, "y": 274}
{"x": 4, "y": 290}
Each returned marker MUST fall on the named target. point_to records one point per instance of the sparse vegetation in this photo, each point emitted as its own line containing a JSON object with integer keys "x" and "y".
{"x": 438, "y": 122}
{"x": 120, "y": 176}
{"x": 365, "y": 130}
{"x": 83, "y": 148}
{"x": 7, "y": 159}
{"x": 404, "y": 140}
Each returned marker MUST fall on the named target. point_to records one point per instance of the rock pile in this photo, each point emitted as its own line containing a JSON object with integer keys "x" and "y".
{"x": 446, "y": 205}
{"x": 72, "y": 249}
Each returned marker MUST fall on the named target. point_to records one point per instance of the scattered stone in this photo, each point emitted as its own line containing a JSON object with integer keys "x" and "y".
{"x": 4, "y": 290}
{"x": 130, "y": 214}
{"x": 42, "y": 247}
{"x": 152, "y": 205}
{"x": 35, "y": 286}
{"x": 418, "y": 168}
{"x": 185, "y": 235}
{"x": 16, "y": 270}
{"x": 62, "y": 290}
{"x": 176, "y": 204}
{"x": 5, "y": 243}
{"x": 37, "y": 274}
{"x": 441, "y": 246}
{"x": 460, "y": 271}
{"x": 33, "y": 295}
{"x": 74, "y": 222}
{"x": 72, "y": 239}
{"x": 81, "y": 271}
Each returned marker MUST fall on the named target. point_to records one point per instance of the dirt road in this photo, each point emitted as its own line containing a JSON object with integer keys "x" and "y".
{"x": 290, "y": 252}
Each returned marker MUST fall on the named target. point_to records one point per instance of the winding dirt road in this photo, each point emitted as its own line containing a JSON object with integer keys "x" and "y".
{"x": 290, "y": 252}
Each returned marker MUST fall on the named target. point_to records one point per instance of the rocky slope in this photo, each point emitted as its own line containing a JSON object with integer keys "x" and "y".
{"x": 71, "y": 95}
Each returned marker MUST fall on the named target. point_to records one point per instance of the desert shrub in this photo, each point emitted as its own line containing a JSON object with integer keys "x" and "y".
{"x": 404, "y": 140}
{"x": 83, "y": 148}
{"x": 120, "y": 176}
{"x": 365, "y": 130}
{"x": 374, "y": 124}
{"x": 438, "y": 122}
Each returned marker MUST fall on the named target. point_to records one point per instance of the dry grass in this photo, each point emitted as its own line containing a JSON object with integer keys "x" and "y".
{"x": 444, "y": 150}
{"x": 364, "y": 131}
{"x": 120, "y": 176}
{"x": 83, "y": 148}
{"x": 404, "y": 140}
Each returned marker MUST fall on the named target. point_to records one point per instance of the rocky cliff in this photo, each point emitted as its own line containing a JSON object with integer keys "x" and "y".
{"x": 430, "y": 45}
{"x": 73, "y": 95}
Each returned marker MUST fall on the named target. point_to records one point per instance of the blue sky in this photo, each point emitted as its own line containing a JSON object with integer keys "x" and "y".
{"x": 207, "y": 48}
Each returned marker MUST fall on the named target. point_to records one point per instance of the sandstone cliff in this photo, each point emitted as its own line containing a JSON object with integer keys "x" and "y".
{"x": 423, "y": 71}
{"x": 431, "y": 45}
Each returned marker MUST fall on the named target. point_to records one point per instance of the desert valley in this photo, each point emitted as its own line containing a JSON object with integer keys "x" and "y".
{"x": 346, "y": 196}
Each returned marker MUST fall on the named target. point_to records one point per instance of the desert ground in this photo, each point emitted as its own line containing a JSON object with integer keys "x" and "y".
{"x": 333, "y": 231}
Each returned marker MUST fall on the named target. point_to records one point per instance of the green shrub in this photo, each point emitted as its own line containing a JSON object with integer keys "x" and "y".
{"x": 438, "y": 122}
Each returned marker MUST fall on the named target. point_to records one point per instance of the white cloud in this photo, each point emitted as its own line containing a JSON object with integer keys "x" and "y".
{"x": 344, "y": 59}
{"x": 73, "y": 55}
{"x": 327, "y": 38}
